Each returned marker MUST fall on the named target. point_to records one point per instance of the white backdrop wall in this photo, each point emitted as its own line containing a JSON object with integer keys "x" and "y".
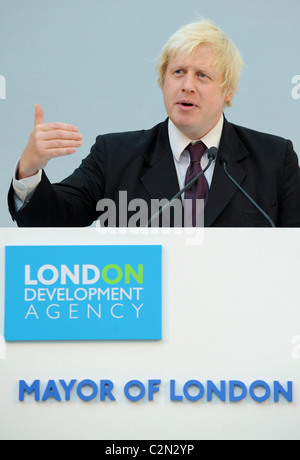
{"x": 91, "y": 63}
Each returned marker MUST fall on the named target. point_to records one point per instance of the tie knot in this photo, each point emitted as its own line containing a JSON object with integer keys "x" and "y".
{"x": 196, "y": 151}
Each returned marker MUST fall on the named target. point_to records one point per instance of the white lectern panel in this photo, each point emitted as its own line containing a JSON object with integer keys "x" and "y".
{"x": 230, "y": 300}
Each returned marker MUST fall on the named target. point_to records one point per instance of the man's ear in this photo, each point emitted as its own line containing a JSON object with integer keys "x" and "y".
{"x": 228, "y": 97}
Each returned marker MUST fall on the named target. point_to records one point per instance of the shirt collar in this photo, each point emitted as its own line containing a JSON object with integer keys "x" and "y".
{"x": 179, "y": 141}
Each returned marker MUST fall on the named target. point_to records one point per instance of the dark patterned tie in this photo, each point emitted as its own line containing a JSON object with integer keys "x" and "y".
{"x": 199, "y": 189}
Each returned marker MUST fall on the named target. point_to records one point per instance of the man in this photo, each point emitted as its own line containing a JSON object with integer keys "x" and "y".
{"x": 199, "y": 70}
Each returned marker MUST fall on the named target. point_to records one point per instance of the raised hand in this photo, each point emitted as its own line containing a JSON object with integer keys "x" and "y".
{"x": 47, "y": 141}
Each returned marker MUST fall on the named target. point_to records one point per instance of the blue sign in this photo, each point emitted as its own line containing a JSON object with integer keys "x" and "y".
{"x": 83, "y": 293}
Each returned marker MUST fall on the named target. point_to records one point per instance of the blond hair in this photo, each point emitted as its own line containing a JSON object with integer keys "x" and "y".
{"x": 187, "y": 39}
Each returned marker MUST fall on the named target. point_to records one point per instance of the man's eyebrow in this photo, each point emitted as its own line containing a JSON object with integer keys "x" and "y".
{"x": 178, "y": 64}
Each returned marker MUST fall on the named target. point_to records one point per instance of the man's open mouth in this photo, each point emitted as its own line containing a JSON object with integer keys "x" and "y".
{"x": 187, "y": 104}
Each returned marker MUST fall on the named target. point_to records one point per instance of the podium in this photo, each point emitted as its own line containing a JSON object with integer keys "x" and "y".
{"x": 227, "y": 365}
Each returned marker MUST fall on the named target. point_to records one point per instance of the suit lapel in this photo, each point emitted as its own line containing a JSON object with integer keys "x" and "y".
{"x": 160, "y": 180}
{"x": 222, "y": 189}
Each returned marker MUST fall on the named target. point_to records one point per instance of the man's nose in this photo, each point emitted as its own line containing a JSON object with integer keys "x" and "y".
{"x": 189, "y": 83}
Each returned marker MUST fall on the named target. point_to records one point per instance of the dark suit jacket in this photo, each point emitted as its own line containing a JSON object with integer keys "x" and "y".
{"x": 141, "y": 163}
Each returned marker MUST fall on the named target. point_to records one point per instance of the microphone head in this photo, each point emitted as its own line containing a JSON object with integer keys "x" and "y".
{"x": 223, "y": 158}
{"x": 212, "y": 153}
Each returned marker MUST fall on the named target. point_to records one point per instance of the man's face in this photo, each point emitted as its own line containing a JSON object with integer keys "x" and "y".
{"x": 192, "y": 93}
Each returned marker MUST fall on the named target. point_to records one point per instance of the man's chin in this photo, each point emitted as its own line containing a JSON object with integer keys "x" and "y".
{"x": 191, "y": 131}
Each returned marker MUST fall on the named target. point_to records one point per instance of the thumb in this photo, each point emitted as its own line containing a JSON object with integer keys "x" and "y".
{"x": 39, "y": 115}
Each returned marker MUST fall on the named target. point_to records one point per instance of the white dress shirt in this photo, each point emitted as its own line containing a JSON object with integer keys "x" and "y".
{"x": 24, "y": 188}
{"x": 179, "y": 143}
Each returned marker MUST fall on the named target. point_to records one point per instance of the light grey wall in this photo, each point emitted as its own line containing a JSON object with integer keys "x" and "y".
{"x": 91, "y": 63}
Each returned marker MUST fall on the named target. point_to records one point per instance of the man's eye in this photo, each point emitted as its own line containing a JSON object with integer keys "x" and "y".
{"x": 178, "y": 71}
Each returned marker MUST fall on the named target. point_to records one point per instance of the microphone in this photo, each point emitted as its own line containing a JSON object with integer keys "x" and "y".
{"x": 223, "y": 158}
{"x": 211, "y": 155}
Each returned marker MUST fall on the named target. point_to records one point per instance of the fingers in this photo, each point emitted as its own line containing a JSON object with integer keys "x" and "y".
{"x": 54, "y": 139}
{"x": 60, "y": 134}
{"x": 62, "y": 144}
{"x": 54, "y": 153}
{"x": 58, "y": 126}
{"x": 58, "y": 142}
{"x": 39, "y": 115}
